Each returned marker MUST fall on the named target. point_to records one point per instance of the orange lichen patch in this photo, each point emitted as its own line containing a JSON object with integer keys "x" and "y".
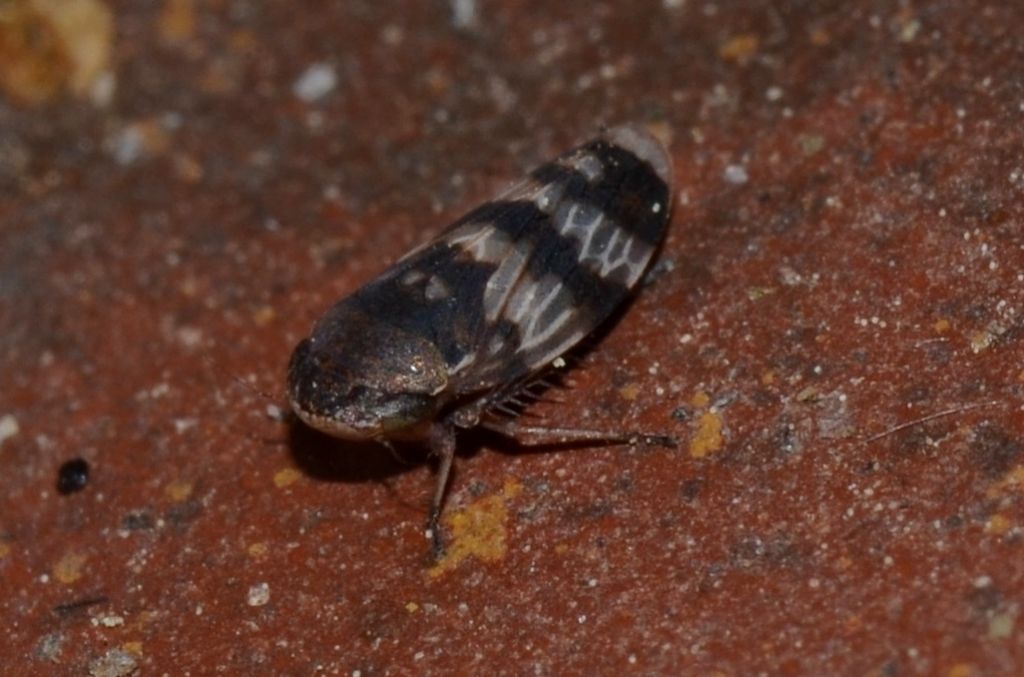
{"x": 819, "y": 37}
{"x": 739, "y": 49}
{"x": 264, "y": 315}
{"x": 5, "y": 550}
{"x": 87, "y": 29}
{"x": 49, "y": 45}
{"x": 998, "y": 525}
{"x": 981, "y": 340}
{"x": 1011, "y": 482}
{"x": 961, "y": 670}
{"x": 258, "y": 550}
{"x": 709, "y": 435}
{"x": 133, "y": 648}
{"x": 187, "y": 168}
{"x": 177, "y": 22}
{"x": 630, "y": 391}
{"x": 286, "y": 477}
{"x": 942, "y": 326}
{"x": 412, "y": 607}
{"x": 178, "y": 490}
{"x": 69, "y": 568}
{"x": 768, "y": 378}
{"x": 33, "y": 63}
{"x": 700, "y": 399}
{"x": 808, "y": 394}
{"x": 479, "y": 530}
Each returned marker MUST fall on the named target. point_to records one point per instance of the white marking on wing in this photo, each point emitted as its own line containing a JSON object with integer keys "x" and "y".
{"x": 605, "y": 247}
{"x": 536, "y": 330}
{"x": 521, "y": 301}
{"x": 436, "y": 289}
{"x": 502, "y": 282}
{"x": 412, "y": 277}
{"x": 496, "y": 346}
{"x": 607, "y": 262}
{"x": 564, "y": 345}
{"x": 467, "y": 359}
{"x": 536, "y": 338}
{"x": 486, "y": 244}
{"x": 589, "y": 166}
{"x": 548, "y": 198}
{"x": 582, "y": 229}
{"x": 632, "y": 267}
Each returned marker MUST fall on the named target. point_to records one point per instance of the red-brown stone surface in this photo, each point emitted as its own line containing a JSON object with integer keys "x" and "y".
{"x": 834, "y": 333}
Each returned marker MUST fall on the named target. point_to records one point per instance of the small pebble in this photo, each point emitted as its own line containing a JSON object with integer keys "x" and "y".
{"x": 259, "y": 594}
{"x": 72, "y": 476}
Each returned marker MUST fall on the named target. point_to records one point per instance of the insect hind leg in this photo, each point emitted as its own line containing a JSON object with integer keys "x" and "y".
{"x": 442, "y": 445}
{"x": 533, "y": 435}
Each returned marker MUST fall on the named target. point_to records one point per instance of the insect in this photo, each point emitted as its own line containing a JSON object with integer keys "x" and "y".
{"x": 463, "y": 324}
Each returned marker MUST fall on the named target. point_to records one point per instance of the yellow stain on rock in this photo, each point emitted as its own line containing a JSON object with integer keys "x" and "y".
{"x": 69, "y": 568}
{"x": 980, "y": 341}
{"x": 258, "y": 550}
{"x": 700, "y": 399}
{"x": 479, "y": 530}
{"x": 177, "y": 21}
{"x": 133, "y": 648}
{"x": 630, "y": 391}
{"x": 961, "y": 670}
{"x": 998, "y": 525}
{"x": 739, "y": 49}
{"x": 709, "y": 435}
{"x": 264, "y": 315}
{"x": 47, "y": 46}
{"x": 5, "y": 550}
{"x": 178, "y": 490}
{"x": 286, "y": 477}
{"x": 1011, "y": 482}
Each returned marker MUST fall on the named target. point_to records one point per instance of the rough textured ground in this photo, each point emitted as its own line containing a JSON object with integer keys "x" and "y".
{"x": 835, "y": 334}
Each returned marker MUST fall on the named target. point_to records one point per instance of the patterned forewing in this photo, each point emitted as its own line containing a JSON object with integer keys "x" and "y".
{"x": 566, "y": 246}
{"x": 523, "y": 278}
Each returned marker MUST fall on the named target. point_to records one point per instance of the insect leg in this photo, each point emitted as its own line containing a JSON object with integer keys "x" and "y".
{"x": 554, "y": 435}
{"x": 442, "y": 445}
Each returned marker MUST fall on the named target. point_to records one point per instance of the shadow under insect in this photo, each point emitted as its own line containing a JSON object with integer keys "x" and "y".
{"x": 335, "y": 460}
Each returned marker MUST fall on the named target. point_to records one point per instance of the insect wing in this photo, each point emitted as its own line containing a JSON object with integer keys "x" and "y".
{"x": 523, "y": 278}
{"x": 566, "y": 247}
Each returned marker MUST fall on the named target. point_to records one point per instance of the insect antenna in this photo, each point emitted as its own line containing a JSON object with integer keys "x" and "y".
{"x": 238, "y": 379}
